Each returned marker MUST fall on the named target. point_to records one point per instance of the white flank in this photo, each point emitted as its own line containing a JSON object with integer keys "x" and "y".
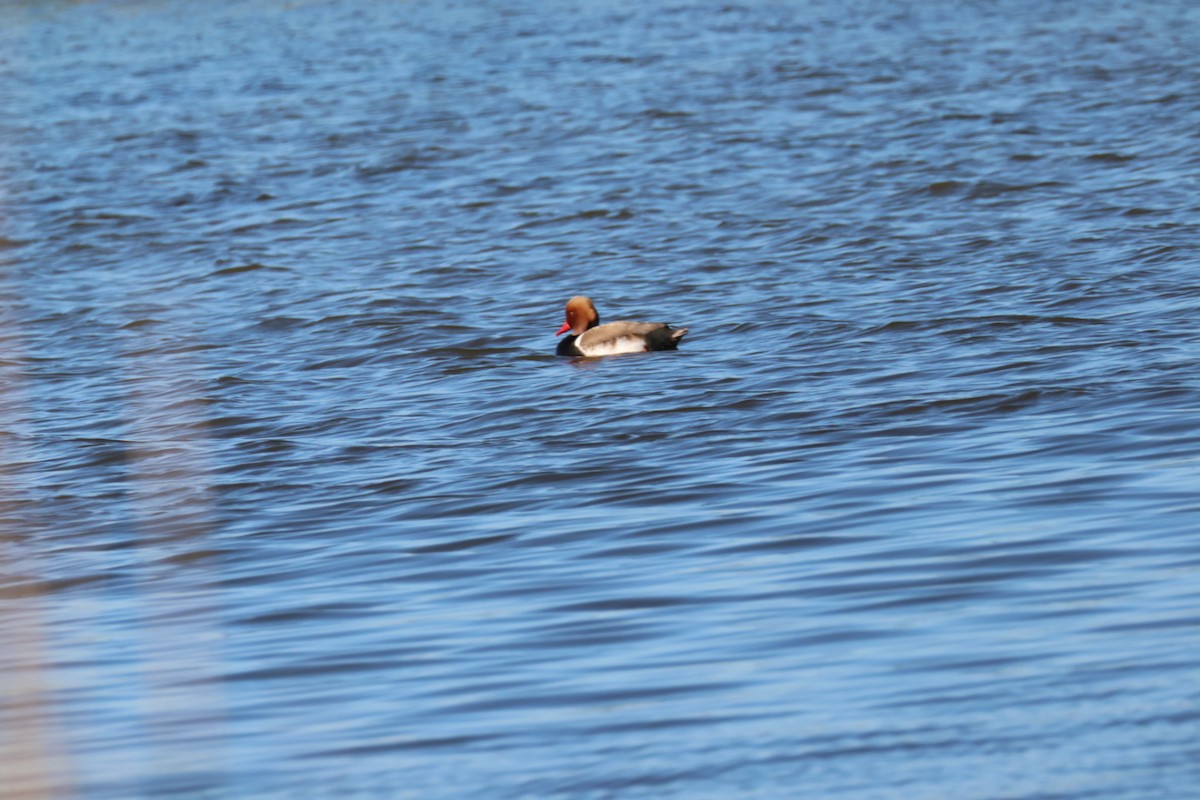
{"x": 615, "y": 347}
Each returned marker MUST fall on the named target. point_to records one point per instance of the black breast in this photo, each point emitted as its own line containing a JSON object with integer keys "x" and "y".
{"x": 566, "y": 346}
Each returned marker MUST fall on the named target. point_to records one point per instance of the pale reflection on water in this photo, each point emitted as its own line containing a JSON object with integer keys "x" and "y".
{"x": 298, "y": 502}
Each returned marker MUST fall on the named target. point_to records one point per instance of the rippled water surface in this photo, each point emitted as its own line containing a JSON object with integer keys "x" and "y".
{"x": 298, "y": 502}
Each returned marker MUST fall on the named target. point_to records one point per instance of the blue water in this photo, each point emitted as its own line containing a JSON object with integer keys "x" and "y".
{"x": 298, "y": 502}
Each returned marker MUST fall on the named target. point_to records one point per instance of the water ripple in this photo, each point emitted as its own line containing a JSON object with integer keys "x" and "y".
{"x": 299, "y": 501}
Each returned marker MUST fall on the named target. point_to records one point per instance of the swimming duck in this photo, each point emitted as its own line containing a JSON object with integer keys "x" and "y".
{"x": 589, "y": 338}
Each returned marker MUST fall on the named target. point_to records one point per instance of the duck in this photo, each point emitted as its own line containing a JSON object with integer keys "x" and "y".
{"x": 589, "y": 338}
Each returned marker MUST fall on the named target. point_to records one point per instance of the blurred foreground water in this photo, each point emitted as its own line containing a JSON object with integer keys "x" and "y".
{"x": 297, "y": 502}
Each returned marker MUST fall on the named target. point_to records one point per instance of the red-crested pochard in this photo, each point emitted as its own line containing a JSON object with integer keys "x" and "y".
{"x": 589, "y": 338}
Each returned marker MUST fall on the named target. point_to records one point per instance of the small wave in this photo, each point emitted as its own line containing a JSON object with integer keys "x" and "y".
{"x": 240, "y": 269}
{"x": 987, "y": 189}
{"x": 138, "y": 324}
{"x": 665, "y": 113}
{"x": 943, "y": 188}
{"x": 457, "y": 545}
{"x": 415, "y": 159}
{"x": 619, "y": 215}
